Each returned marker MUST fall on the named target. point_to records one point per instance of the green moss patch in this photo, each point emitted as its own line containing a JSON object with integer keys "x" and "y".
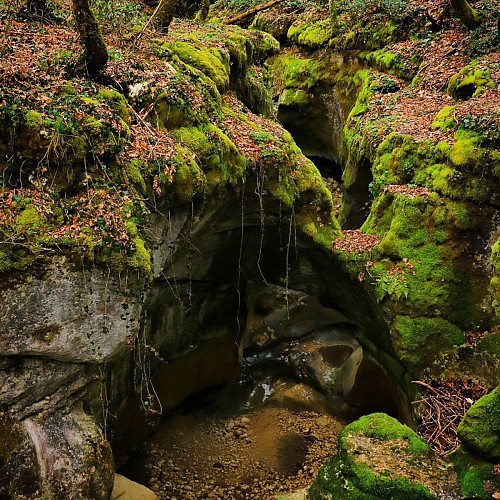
{"x": 444, "y": 119}
{"x": 210, "y": 62}
{"x": 420, "y": 342}
{"x": 311, "y": 34}
{"x": 475, "y": 474}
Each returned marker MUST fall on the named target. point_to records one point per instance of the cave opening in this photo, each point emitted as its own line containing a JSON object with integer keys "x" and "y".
{"x": 327, "y": 168}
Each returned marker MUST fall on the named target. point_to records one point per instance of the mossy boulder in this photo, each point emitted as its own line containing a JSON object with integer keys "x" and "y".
{"x": 476, "y": 475}
{"x": 480, "y": 428}
{"x": 444, "y": 119}
{"x": 379, "y": 458}
{"x": 293, "y": 70}
{"x": 210, "y": 62}
{"x": 311, "y": 34}
{"x": 495, "y": 279}
{"x": 470, "y": 81}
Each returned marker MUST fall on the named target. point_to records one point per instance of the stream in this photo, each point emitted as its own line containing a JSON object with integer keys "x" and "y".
{"x": 268, "y": 431}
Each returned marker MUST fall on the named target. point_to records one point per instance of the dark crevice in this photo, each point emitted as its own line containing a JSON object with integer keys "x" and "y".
{"x": 327, "y": 168}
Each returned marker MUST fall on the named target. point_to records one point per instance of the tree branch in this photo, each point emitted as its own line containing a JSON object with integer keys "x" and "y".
{"x": 251, "y": 12}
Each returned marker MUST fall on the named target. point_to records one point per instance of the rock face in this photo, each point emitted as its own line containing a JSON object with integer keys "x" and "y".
{"x": 318, "y": 346}
{"x": 68, "y": 314}
{"x": 63, "y": 455}
{"x": 380, "y": 458}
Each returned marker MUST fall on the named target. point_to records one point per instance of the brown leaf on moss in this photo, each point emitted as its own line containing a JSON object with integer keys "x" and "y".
{"x": 355, "y": 241}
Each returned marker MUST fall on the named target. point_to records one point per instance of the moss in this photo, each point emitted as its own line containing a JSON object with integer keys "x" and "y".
{"x": 490, "y": 343}
{"x": 480, "y": 428}
{"x": 140, "y": 258}
{"x": 209, "y": 61}
{"x": 495, "y": 279}
{"x": 93, "y": 125}
{"x": 365, "y": 36}
{"x": 421, "y": 341}
{"x": 313, "y": 34}
{"x": 387, "y": 61}
{"x": 295, "y": 98}
{"x": 475, "y": 475}
{"x": 465, "y": 151}
{"x": 34, "y": 120}
{"x": 381, "y": 427}
{"x": 444, "y": 119}
{"x": 470, "y": 81}
{"x": 172, "y": 113}
{"x": 135, "y": 177}
{"x": 28, "y": 221}
{"x": 188, "y": 180}
{"x": 322, "y": 233}
{"x": 292, "y": 70}
{"x": 219, "y": 157}
{"x": 116, "y": 102}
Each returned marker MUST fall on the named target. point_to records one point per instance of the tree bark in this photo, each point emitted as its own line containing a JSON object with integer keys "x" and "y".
{"x": 165, "y": 13}
{"x": 465, "y": 13}
{"x": 95, "y": 54}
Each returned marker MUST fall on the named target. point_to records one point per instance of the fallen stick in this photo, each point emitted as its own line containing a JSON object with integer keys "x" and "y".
{"x": 251, "y": 12}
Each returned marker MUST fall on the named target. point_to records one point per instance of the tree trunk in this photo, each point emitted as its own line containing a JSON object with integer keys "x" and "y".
{"x": 465, "y": 13}
{"x": 95, "y": 53}
{"x": 202, "y": 14}
{"x": 165, "y": 14}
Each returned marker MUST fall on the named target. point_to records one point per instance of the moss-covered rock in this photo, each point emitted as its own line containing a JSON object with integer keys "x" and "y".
{"x": 311, "y": 34}
{"x": 420, "y": 342}
{"x": 495, "y": 279}
{"x": 476, "y": 475}
{"x": 444, "y": 119}
{"x": 480, "y": 428}
{"x": 210, "y": 62}
{"x": 380, "y": 458}
{"x": 470, "y": 81}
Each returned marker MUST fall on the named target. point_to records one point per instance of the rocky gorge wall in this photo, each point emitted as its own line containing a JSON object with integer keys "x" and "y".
{"x": 168, "y": 223}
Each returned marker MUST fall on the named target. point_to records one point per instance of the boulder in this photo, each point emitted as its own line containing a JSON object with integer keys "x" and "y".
{"x": 125, "y": 489}
{"x": 68, "y": 314}
{"x": 380, "y": 458}
{"x": 480, "y": 428}
{"x": 63, "y": 455}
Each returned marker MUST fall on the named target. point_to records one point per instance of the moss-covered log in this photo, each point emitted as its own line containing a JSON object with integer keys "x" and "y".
{"x": 465, "y": 13}
{"x": 95, "y": 54}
